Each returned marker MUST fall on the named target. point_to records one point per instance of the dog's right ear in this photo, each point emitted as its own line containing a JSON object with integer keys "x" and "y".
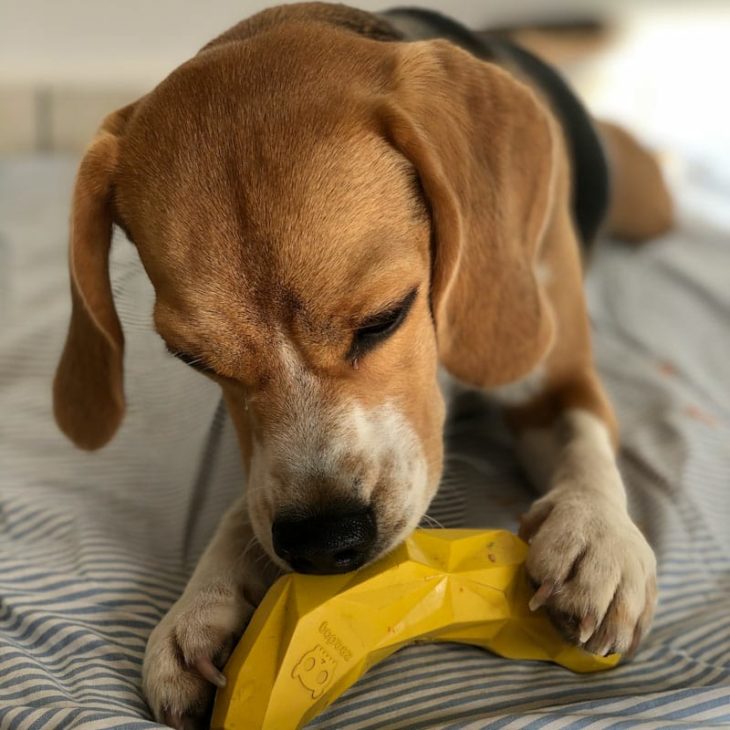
{"x": 486, "y": 153}
{"x": 88, "y": 390}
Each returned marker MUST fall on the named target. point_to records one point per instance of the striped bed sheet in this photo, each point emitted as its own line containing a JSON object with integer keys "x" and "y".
{"x": 95, "y": 547}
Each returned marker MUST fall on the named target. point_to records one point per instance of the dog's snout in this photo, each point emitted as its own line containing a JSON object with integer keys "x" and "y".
{"x": 327, "y": 542}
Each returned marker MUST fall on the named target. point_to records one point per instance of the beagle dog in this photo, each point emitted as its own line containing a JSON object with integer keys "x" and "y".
{"x": 331, "y": 206}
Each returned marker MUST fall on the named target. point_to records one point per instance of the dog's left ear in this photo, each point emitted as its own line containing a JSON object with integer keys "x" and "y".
{"x": 484, "y": 149}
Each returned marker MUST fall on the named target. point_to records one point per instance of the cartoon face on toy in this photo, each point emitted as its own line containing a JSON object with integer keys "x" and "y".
{"x": 315, "y": 670}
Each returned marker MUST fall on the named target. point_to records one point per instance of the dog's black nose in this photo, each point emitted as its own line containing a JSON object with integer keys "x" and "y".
{"x": 327, "y": 542}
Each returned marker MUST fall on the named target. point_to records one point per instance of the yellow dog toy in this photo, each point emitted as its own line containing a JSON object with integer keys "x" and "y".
{"x": 314, "y": 636}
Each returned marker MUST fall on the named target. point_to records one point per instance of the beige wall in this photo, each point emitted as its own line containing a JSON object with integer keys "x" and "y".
{"x": 138, "y": 41}
{"x": 64, "y": 64}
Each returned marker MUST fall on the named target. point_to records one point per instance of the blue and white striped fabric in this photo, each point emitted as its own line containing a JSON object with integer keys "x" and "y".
{"x": 95, "y": 547}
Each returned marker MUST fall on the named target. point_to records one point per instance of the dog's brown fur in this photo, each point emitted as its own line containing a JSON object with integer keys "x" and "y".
{"x": 295, "y": 177}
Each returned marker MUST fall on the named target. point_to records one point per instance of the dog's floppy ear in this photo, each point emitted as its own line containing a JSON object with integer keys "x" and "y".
{"x": 88, "y": 390}
{"x": 483, "y": 147}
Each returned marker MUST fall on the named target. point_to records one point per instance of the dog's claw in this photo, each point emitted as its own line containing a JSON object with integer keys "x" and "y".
{"x": 587, "y": 629}
{"x": 542, "y": 595}
{"x": 206, "y": 669}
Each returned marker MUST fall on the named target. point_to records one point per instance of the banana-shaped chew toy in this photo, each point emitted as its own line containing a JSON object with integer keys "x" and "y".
{"x": 313, "y": 636}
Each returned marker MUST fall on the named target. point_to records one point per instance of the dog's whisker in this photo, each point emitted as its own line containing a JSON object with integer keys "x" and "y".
{"x": 432, "y": 521}
{"x": 249, "y": 546}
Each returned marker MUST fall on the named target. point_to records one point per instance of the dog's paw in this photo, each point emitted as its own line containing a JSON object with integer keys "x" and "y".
{"x": 184, "y": 653}
{"x": 593, "y": 569}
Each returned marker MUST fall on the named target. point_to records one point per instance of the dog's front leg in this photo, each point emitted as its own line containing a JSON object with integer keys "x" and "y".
{"x": 184, "y": 651}
{"x": 593, "y": 569}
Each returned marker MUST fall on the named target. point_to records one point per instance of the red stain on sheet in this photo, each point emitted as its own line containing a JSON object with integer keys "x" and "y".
{"x": 697, "y": 414}
{"x": 667, "y": 368}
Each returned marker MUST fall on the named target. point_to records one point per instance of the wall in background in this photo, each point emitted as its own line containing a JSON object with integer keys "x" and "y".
{"x": 64, "y": 64}
{"x": 139, "y": 41}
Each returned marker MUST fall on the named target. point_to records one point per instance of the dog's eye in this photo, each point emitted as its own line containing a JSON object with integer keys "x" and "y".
{"x": 382, "y": 327}
{"x": 194, "y": 362}
{"x": 379, "y": 327}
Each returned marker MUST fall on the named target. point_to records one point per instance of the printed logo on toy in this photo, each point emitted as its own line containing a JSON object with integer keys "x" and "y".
{"x": 315, "y": 670}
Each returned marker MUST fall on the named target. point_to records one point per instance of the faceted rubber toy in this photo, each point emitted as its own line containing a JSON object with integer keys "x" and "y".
{"x": 314, "y": 636}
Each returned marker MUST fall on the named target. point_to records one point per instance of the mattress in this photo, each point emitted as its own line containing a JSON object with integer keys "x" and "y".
{"x": 94, "y": 547}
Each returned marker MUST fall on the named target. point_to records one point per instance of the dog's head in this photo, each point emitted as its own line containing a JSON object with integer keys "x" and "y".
{"x": 323, "y": 218}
